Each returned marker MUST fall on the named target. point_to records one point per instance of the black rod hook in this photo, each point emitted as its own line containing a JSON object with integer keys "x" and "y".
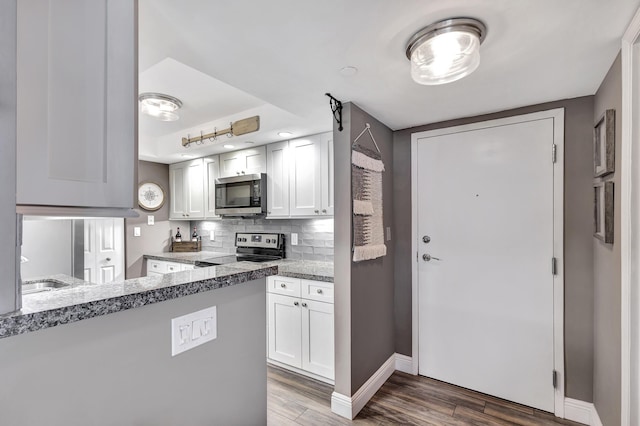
{"x": 336, "y": 109}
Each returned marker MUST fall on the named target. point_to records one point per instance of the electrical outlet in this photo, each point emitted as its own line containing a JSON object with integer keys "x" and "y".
{"x": 294, "y": 239}
{"x": 194, "y": 329}
{"x": 212, "y": 235}
{"x": 136, "y": 231}
{"x": 151, "y": 220}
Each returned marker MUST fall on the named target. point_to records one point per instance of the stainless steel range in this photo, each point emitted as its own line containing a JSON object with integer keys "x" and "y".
{"x": 252, "y": 247}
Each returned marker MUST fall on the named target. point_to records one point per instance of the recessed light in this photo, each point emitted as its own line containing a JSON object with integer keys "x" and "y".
{"x": 187, "y": 156}
{"x": 229, "y": 146}
{"x": 249, "y": 142}
{"x": 349, "y": 71}
{"x": 285, "y": 134}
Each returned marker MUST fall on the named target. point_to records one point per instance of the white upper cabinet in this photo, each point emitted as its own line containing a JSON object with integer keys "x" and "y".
{"x": 186, "y": 181}
{"x": 77, "y": 108}
{"x": 211, "y": 170}
{"x": 245, "y": 162}
{"x": 278, "y": 180}
{"x": 311, "y": 175}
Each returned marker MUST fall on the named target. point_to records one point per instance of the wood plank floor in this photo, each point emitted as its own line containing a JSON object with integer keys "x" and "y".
{"x": 404, "y": 399}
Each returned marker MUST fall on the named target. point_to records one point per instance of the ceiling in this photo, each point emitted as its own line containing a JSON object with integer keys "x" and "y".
{"x": 232, "y": 59}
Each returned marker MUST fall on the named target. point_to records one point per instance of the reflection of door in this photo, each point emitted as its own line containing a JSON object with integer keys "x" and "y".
{"x": 103, "y": 250}
{"x": 485, "y": 215}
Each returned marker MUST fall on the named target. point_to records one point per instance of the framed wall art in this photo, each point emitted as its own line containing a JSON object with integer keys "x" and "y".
{"x": 604, "y": 144}
{"x": 603, "y": 211}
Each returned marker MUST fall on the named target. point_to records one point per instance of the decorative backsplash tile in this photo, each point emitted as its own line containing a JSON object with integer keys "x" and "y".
{"x": 315, "y": 236}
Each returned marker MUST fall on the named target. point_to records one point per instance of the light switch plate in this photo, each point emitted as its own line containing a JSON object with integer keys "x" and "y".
{"x": 294, "y": 239}
{"x": 194, "y": 329}
{"x": 136, "y": 231}
{"x": 151, "y": 220}
{"x": 212, "y": 235}
{"x": 388, "y": 233}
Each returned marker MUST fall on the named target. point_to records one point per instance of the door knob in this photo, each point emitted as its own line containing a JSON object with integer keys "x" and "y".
{"x": 426, "y": 239}
{"x": 427, "y": 257}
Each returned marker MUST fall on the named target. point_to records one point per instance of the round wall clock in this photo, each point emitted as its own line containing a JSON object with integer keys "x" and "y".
{"x": 150, "y": 196}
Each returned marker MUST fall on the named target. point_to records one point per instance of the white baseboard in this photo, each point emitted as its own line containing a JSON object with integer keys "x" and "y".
{"x": 404, "y": 363}
{"x": 349, "y": 407}
{"x": 581, "y": 412}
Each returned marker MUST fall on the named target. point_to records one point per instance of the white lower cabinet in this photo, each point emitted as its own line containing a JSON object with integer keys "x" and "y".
{"x": 161, "y": 267}
{"x": 301, "y": 327}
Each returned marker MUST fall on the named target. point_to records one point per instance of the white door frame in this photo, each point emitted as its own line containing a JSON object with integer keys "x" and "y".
{"x": 558, "y": 245}
{"x": 630, "y": 232}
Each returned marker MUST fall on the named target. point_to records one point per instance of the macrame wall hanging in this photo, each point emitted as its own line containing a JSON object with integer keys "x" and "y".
{"x": 366, "y": 182}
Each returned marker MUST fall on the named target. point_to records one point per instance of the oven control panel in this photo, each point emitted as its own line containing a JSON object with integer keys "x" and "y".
{"x": 258, "y": 240}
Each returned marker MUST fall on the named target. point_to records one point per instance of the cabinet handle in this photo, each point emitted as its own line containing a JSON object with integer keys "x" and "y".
{"x": 304, "y": 305}
{"x": 296, "y": 303}
{"x": 283, "y": 285}
{"x": 319, "y": 291}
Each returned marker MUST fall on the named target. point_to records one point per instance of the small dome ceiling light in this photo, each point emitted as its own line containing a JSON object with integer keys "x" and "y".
{"x": 446, "y": 51}
{"x": 159, "y": 106}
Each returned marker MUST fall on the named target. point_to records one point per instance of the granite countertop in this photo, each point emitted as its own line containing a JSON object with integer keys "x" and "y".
{"x": 186, "y": 257}
{"x": 305, "y": 269}
{"x": 83, "y": 300}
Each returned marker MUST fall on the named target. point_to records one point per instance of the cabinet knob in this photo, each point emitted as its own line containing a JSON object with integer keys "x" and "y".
{"x": 295, "y": 303}
{"x": 324, "y": 210}
{"x": 108, "y": 259}
{"x": 317, "y": 211}
{"x": 243, "y": 172}
{"x": 319, "y": 291}
{"x": 283, "y": 285}
{"x": 304, "y": 305}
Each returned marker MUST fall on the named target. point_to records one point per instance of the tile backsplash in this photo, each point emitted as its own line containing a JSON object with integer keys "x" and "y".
{"x": 315, "y": 236}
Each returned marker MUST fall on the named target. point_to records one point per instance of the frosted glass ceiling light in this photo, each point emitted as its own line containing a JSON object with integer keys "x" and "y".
{"x": 159, "y": 106}
{"x": 446, "y": 51}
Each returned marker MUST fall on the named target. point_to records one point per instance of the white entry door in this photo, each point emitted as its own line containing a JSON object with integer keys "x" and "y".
{"x": 485, "y": 215}
{"x": 103, "y": 250}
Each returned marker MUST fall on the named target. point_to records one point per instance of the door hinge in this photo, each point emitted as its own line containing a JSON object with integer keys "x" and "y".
{"x": 554, "y": 266}
{"x": 416, "y": 256}
{"x": 555, "y": 379}
{"x": 554, "y": 153}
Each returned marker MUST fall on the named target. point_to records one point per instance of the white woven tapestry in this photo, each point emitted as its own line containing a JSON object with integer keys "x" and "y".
{"x": 366, "y": 181}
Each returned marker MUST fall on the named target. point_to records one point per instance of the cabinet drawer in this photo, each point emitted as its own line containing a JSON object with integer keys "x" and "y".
{"x": 173, "y": 267}
{"x": 156, "y": 266}
{"x": 317, "y": 290}
{"x": 187, "y": 267}
{"x": 283, "y": 285}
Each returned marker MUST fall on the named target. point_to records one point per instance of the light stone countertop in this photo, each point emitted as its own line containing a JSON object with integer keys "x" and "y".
{"x": 186, "y": 257}
{"x": 83, "y": 300}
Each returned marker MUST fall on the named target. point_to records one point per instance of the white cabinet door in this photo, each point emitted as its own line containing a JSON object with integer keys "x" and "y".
{"x": 278, "y": 180}
{"x": 285, "y": 324}
{"x": 103, "y": 250}
{"x": 326, "y": 164}
{"x": 317, "y": 338}
{"x": 186, "y": 190}
{"x": 231, "y": 163}
{"x": 77, "y": 109}
{"x": 255, "y": 160}
{"x": 305, "y": 176}
{"x": 244, "y": 162}
{"x": 211, "y": 172}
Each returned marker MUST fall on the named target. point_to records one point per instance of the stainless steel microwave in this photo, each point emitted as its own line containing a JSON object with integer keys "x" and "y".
{"x": 244, "y": 195}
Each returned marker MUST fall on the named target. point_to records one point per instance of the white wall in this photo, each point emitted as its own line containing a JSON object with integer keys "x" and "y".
{"x": 48, "y": 244}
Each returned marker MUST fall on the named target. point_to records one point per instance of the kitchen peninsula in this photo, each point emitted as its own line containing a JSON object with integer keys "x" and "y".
{"x": 114, "y": 350}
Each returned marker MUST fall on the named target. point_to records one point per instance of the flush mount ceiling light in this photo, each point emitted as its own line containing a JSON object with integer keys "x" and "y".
{"x": 285, "y": 134}
{"x": 446, "y": 51}
{"x": 160, "y": 106}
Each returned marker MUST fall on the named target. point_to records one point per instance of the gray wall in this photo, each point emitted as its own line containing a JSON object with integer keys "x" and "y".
{"x": 578, "y": 253}
{"x": 364, "y": 304}
{"x": 48, "y": 244}
{"x": 342, "y": 250}
{"x": 8, "y": 262}
{"x": 155, "y": 238}
{"x": 118, "y": 370}
{"x": 606, "y": 272}
{"x": 315, "y": 236}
